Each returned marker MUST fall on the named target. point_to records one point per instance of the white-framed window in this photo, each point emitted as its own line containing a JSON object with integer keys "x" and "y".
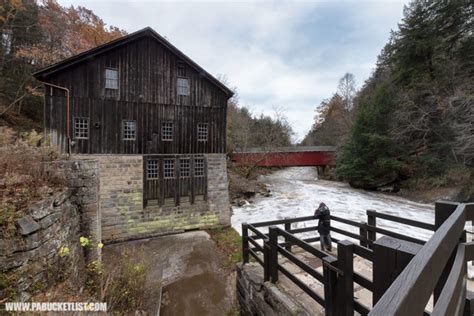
{"x": 81, "y": 127}
{"x": 152, "y": 169}
{"x": 129, "y": 130}
{"x": 184, "y": 168}
{"x": 168, "y": 168}
{"x": 167, "y": 131}
{"x": 183, "y": 86}
{"x": 199, "y": 167}
{"x": 111, "y": 78}
{"x": 202, "y": 132}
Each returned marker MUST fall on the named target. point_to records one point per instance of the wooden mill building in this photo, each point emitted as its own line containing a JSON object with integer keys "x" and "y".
{"x": 155, "y": 123}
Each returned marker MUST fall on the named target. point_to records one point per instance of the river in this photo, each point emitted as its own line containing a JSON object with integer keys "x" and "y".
{"x": 297, "y": 192}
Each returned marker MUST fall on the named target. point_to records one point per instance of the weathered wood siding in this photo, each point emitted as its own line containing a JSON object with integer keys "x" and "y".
{"x": 147, "y": 93}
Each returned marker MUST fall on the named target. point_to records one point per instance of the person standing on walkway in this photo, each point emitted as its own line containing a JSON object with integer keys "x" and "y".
{"x": 324, "y": 226}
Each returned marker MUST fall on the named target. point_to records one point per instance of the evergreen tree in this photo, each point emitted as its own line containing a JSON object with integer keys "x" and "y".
{"x": 419, "y": 101}
{"x": 370, "y": 158}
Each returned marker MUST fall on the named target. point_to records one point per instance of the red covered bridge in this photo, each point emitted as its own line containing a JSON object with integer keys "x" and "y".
{"x": 300, "y": 156}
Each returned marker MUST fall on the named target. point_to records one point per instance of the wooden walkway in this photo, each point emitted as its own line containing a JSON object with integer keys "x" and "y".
{"x": 367, "y": 277}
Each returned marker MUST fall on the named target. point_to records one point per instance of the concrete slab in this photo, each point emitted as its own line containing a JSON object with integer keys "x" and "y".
{"x": 190, "y": 269}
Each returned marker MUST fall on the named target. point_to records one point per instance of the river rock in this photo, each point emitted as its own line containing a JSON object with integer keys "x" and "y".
{"x": 268, "y": 194}
{"x": 242, "y": 202}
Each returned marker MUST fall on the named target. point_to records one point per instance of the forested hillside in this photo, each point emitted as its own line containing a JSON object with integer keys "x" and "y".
{"x": 416, "y": 113}
{"x": 247, "y": 130}
{"x": 35, "y": 34}
{"x": 414, "y": 117}
{"x": 334, "y": 117}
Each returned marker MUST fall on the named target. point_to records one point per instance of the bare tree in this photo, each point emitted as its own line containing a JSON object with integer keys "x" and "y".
{"x": 347, "y": 89}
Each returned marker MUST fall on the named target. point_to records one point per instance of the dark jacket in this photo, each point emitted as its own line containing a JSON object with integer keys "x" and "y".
{"x": 324, "y": 215}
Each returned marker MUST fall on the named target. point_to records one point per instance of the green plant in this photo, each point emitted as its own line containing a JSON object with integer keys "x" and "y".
{"x": 22, "y": 179}
{"x": 122, "y": 286}
{"x": 229, "y": 242}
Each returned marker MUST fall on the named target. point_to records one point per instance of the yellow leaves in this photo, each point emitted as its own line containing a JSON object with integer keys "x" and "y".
{"x": 64, "y": 251}
{"x": 84, "y": 241}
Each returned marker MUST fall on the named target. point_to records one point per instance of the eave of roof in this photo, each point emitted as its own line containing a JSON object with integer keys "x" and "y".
{"x": 148, "y": 31}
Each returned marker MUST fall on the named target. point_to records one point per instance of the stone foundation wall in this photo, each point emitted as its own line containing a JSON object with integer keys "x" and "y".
{"x": 121, "y": 200}
{"x": 218, "y": 188}
{"x": 257, "y": 297}
{"x": 82, "y": 178}
{"x": 29, "y": 258}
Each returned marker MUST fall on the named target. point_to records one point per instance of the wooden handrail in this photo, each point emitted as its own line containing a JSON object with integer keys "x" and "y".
{"x": 407, "y": 295}
{"x": 410, "y": 292}
{"x": 401, "y": 220}
{"x": 453, "y": 295}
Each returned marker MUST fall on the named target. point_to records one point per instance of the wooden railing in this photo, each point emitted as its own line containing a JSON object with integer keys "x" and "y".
{"x": 426, "y": 273}
{"x": 439, "y": 268}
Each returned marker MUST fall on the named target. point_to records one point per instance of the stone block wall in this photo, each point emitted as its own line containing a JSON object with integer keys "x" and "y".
{"x": 82, "y": 178}
{"x": 29, "y": 258}
{"x": 109, "y": 192}
{"x": 120, "y": 194}
{"x": 218, "y": 188}
{"x": 121, "y": 201}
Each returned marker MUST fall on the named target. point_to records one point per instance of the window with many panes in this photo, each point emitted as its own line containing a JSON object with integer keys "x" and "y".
{"x": 152, "y": 169}
{"x": 81, "y": 128}
{"x": 111, "y": 78}
{"x": 167, "y": 131}
{"x": 129, "y": 130}
{"x": 202, "y": 132}
{"x": 168, "y": 168}
{"x": 199, "y": 167}
{"x": 183, "y": 86}
{"x": 184, "y": 168}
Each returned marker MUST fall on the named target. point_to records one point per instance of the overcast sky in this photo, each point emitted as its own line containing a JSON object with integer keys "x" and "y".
{"x": 284, "y": 54}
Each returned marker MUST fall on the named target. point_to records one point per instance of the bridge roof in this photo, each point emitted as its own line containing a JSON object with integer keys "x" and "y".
{"x": 291, "y": 149}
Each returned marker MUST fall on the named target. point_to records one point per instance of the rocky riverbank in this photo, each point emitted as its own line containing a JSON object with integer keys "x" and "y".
{"x": 243, "y": 190}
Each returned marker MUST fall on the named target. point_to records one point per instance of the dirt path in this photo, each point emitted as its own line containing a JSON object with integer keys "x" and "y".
{"x": 190, "y": 268}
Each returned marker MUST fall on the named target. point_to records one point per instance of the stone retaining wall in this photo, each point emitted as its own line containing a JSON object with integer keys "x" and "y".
{"x": 29, "y": 258}
{"x": 82, "y": 178}
{"x": 120, "y": 192}
{"x": 257, "y": 297}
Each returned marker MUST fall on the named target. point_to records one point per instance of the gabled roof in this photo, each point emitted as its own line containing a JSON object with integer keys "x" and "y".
{"x": 148, "y": 31}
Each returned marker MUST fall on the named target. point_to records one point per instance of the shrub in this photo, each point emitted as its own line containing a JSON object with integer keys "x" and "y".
{"x": 122, "y": 286}
{"x": 21, "y": 173}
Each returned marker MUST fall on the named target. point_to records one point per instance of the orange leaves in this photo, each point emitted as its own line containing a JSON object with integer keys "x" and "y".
{"x": 67, "y": 32}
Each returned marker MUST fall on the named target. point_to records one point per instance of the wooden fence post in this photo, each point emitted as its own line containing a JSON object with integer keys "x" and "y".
{"x": 266, "y": 260}
{"x": 245, "y": 243}
{"x": 345, "y": 283}
{"x": 273, "y": 254}
{"x": 443, "y": 209}
{"x": 363, "y": 234}
{"x": 391, "y": 256}
{"x": 371, "y": 234}
{"x": 469, "y": 306}
{"x": 330, "y": 287}
{"x": 287, "y": 229}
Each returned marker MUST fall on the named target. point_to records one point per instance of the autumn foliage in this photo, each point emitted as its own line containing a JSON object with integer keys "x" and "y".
{"x": 35, "y": 34}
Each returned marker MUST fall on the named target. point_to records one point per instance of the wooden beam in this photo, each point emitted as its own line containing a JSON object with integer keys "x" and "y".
{"x": 410, "y": 292}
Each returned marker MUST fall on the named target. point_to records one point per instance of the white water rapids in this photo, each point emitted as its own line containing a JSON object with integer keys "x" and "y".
{"x": 297, "y": 192}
